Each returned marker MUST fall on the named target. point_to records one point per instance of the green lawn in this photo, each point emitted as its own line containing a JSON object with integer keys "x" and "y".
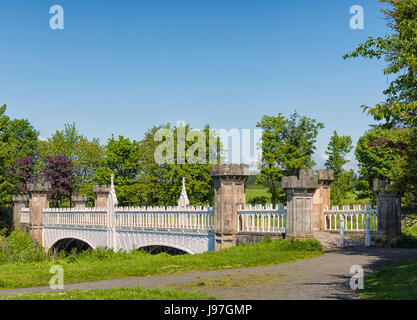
{"x": 396, "y": 282}
{"x": 254, "y": 192}
{"x": 102, "y": 264}
{"x": 113, "y": 294}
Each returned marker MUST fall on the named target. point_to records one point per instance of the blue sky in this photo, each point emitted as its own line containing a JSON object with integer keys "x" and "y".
{"x": 123, "y": 66}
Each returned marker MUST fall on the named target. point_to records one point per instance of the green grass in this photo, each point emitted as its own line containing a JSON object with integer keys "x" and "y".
{"x": 409, "y": 237}
{"x": 396, "y": 282}
{"x": 101, "y": 264}
{"x": 113, "y": 294}
{"x": 254, "y": 192}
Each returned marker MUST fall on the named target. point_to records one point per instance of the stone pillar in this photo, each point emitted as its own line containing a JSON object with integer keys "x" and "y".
{"x": 388, "y": 211}
{"x": 101, "y": 196}
{"x": 229, "y": 193}
{"x": 300, "y": 191}
{"x": 19, "y": 202}
{"x": 39, "y": 200}
{"x": 321, "y": 199}
{"x": 79, "y": 201}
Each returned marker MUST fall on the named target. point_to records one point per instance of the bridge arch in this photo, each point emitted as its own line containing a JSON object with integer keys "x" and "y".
{"x": 158, "y": 248}
{"x": 68, "y": 244}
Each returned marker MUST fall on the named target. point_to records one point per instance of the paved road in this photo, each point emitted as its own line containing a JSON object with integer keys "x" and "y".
{"x": 324, "y": 277}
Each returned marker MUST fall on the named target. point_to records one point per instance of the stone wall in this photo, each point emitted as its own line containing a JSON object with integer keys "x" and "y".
{"x": 252, "y": 238}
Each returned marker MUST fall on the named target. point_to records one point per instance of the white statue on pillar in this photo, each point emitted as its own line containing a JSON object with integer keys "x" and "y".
{"x": 113, "y": 191}
{"x": 183, "y": 200}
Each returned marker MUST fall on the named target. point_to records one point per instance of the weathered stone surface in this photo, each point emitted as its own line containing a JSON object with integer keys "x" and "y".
{"x": 39, "y": 200}
{"x": 18, "y": 203}
{"x": 388, "y": 211}
{"x": 252, "y": 238}
{"x": 307, "y": 196}
{"x": 101, "y": 195}
{"x": 229, "y": 193}
{"x": 79, "y": 201}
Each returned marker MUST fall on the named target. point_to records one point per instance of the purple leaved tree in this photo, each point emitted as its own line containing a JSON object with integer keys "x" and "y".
{"x": 24, "y": 172}
{"x": 58, "y": 172}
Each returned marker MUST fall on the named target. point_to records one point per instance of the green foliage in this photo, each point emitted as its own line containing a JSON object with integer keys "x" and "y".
{"x": 140, "y": 180}
{"x": 259, "y": 200}
{"x": 399, "y": 50}
{"x": 287, "y": 147}
{"x": 408, "y": 237}
{"x": 388, "y": 154}
{"x": 18, "y": 247}
{"x": 338, "y": 148}
{"x": 86, "y": 155}
{"x": 17, "y": 139}
{"x": 398, "y": 145}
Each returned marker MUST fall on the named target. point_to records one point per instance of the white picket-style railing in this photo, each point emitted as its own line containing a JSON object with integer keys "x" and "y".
{"x": 259, "y": 218}
{"x": 198, "y": 218}
{"x": 354, "y": 217}
{"x": 24, "y": 215}
{"x": 190, "y": 217}
{"x": 75, "y": 217}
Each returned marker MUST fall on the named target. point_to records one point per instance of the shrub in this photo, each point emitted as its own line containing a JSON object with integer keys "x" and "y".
{"x": 259, "y": 200}
{"x": 293, "y": 244}
{"x": 20, "y": 248}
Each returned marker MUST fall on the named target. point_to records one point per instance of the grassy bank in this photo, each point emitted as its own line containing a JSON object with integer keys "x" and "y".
{"x": 106, "y": 264}
{"x": 113, "y": 294}
{"x": 396, "y": 282}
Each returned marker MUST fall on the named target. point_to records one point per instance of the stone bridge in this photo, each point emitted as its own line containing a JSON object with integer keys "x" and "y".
{"x": 197, "y": 229}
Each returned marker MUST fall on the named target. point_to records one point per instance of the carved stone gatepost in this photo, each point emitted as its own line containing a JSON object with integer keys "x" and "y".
{"x": 388, "y": 211}
{"x": 39, "y": 200}
{"x": 229, "y": 193}
{"x": 307, "y": 197}
{"x": 19, "y": 202}
{"x": 101, "y": 196}
{"x": 79, "y": 201}
{"x": 321, "y": 199}
{"x": 300, "y": 192}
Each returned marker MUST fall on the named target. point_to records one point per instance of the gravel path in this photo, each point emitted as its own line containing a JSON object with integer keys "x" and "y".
{"x": 324, "y": 277}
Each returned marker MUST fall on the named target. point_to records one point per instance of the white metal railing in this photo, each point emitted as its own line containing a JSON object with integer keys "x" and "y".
{"x": 198, "y": 218}
{"x": 354, "y": 217}
{"x": 24, "y": 215}
{"x": 259, "y": 218}
{"x": 75, "y": 216}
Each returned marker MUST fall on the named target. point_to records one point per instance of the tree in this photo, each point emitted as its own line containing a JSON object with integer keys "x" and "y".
{"x": 18, "y": 139}
{"x": 86, "y": 155}
{"x": 122, "y": 160}
{"x": 140, "y": 180}
{"x": 24, "y": 172}
{"x": 381, "y": 155}
{"x": 399, "y": 111}
{"x": 338, "y": 148}
{"x": 58, "y": 172}
{"x": 399, "y": 50}
{"x": 287, "y": 147}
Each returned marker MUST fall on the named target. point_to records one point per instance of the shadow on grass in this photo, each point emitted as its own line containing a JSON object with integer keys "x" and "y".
{"x": 391, "y": 275}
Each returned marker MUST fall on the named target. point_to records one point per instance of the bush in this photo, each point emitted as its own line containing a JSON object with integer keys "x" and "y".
{"x": 259, "y": 200}
{"x": 20, "y": 248}
{"x": 292, "y": 244}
